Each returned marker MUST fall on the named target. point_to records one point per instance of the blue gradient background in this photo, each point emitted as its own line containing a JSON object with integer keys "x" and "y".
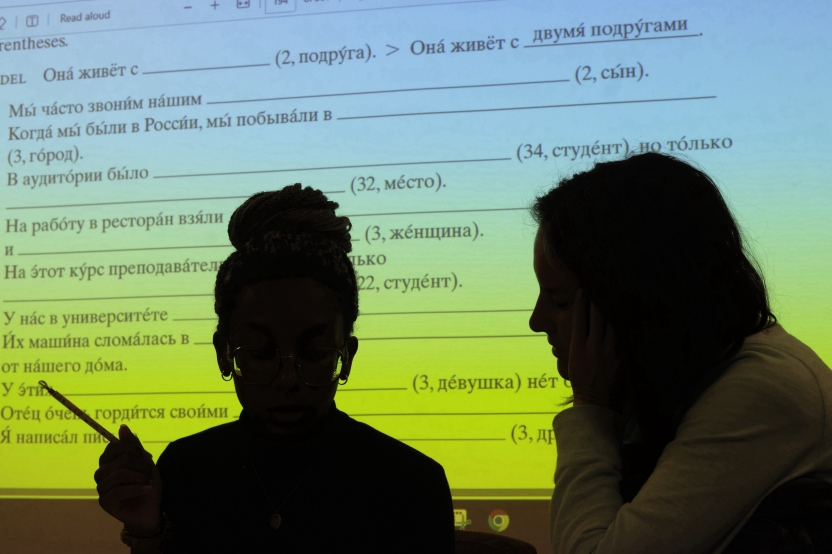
{"x": 766, "y": 65}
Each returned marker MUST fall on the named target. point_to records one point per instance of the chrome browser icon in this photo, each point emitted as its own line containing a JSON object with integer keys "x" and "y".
{"x": 498, "y": 520}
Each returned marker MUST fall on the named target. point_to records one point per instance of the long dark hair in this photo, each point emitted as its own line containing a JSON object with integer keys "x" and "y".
{"x": 654, "y": 245}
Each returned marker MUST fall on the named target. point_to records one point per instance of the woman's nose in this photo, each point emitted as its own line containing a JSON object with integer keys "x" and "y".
{"x": 536, "y": 319}
{"x": 287, "y": 375}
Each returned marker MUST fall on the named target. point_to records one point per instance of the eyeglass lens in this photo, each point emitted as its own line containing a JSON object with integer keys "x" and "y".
{"x": 315, "y": 366}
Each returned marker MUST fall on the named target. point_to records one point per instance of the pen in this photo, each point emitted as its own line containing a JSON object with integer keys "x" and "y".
{"x": 77, "y": 411}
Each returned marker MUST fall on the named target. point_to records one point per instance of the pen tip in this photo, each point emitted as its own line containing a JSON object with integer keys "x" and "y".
{"x": 43, "y": 384}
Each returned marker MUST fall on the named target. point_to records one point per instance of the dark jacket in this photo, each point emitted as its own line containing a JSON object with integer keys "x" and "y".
{"x": 366, "y": 492}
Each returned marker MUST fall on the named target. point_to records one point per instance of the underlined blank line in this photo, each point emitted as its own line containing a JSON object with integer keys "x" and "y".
{"x": 340, "y": 389}
{"x": 457, "y": 337}
{"x": 259, "y": 172}
{"x": 518, "y": 108}
{"x": 150, "y": 393}
{"x": 123, "y": 250}
{"x": 195, "y": 319}
{"x": 391, "y": 91}
{"x": 450, "y": 414}
{"x": 402, "y": 440}
{"x": 105, "y": 298}
{"x": 438, "y": 337}
{"x": 363, "y": 314}
{"x": 439, "y": 212}
{"x": 449, "y": 439}
{"x": 206, "y": 68}
{"x": 446, "y": 312}
{"x": 144, "y": 201}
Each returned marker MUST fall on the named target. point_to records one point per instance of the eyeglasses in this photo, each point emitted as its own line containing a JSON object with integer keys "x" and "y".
{"x": 259, "y": 365}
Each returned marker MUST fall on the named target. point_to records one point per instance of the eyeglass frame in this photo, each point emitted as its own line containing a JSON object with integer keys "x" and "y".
{"x": 346, "y": 362}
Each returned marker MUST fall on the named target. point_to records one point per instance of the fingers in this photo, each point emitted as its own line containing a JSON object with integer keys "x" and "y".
{"x": 116, "y": 449}
{"x": 128, "y": 444}
{"x": 578, "y": 322}
{"x": 595, "y": 334}
{"x": 121, "y": 478}
{"x": 126, "y": 435}
{"x": 596, "y": 325}
{"x": 132, "y": 462}
{"x": 117, "y": 495}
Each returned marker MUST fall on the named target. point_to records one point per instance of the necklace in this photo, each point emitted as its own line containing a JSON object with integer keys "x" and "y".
{"x": 275, "y": 520}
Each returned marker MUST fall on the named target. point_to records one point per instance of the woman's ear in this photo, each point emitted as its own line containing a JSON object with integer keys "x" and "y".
{"x": 221, "y": 349}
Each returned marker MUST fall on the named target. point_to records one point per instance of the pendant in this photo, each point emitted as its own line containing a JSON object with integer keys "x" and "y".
{"x": 275, "y": 521}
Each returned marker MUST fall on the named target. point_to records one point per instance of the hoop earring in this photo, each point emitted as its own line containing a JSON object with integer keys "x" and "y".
{"x": 229, "y": 375}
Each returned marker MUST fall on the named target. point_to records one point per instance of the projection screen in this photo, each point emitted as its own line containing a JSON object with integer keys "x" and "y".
{"x": 134, "y": 129}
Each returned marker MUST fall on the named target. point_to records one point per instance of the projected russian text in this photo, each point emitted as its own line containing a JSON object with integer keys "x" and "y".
{"x": 133, "y": 129}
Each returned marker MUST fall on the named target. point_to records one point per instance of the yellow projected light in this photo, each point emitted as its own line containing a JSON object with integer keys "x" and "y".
{"x": 131, "y": 139}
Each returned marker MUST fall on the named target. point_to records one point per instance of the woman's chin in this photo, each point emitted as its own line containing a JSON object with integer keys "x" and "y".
{"x": 291, "y": 422}
{"x": 286, "y": 425}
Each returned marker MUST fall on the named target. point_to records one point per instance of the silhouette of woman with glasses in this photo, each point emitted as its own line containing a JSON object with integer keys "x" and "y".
{"x": 294, "y": 473}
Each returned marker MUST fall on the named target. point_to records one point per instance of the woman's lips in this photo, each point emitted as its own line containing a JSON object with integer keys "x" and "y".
{"x": 288, "y": 413}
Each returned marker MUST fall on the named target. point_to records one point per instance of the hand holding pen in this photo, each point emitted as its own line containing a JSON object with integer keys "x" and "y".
{"x": 129, "y": 485}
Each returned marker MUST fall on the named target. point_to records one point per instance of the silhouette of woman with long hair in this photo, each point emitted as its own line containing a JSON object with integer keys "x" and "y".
{"x": 691, "y": 403}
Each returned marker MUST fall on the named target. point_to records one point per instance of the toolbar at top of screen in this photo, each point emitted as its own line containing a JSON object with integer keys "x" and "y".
{"x": 38, "y": 18}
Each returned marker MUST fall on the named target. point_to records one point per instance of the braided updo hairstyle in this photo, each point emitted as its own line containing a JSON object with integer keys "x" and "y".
{"x": 288, "y": 233}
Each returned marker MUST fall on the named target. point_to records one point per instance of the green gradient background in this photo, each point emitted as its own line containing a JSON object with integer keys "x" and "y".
{"x": 771, "y": 90}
